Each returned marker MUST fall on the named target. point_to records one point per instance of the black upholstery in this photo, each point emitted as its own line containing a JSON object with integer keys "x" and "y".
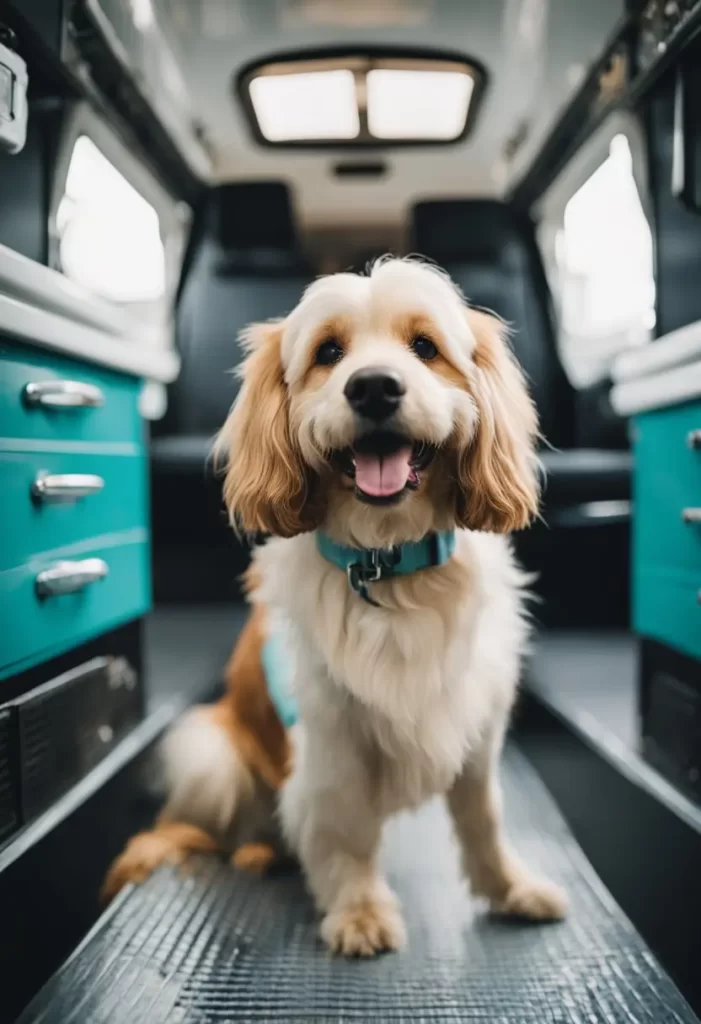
{"x": 490, "y": 252}
{"x": 246, "y": 270}
{"x": 581, "y": 475}
{"x": 253, "y": 215}
{"x": 215, "y": 308}
{"x": 243, "y": 267}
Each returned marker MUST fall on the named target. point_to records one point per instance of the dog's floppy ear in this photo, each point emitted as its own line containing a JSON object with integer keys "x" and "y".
{"x": 498, "y": 484}
{"x": 267, "y": 487}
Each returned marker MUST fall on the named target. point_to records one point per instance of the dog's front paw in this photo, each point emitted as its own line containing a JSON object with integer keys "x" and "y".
{"x": 256, "y": 858}
{"x": 364, "y": 928}
{"x": 533, "y": 898}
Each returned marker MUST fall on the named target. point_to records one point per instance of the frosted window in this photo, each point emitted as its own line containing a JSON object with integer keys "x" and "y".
{"x": 605, "y": 268}
{"x": 418, "y": 104}
{"x": 109, "y": 235}
{"x": 311, "y": 105}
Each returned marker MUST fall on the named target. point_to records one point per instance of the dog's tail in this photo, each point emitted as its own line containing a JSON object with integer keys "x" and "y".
{"x": 206, "y": 776}
{"x": 218, "y": 756}
{"x": 218, "y": 761}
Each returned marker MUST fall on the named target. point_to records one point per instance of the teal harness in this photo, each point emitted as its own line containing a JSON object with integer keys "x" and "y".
{"x": 363, "y": 567}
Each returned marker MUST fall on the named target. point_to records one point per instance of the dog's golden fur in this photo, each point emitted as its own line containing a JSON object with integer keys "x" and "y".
{"x": 267, "y": 481}
{"x": 400, "y": 700}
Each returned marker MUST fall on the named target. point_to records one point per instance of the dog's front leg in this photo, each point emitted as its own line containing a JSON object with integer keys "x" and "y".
{"x": 493, "y": 870}
{"x": 330, "y": 821}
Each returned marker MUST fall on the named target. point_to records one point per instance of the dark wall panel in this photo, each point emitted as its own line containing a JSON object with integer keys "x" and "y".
{"x": 23, "y": 196}
{"x": 677, "y": 229}
{"x": 45, "y": 18}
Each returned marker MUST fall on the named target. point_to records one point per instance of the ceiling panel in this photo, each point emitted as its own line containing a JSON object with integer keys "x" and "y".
{"x": 535, "y": 51}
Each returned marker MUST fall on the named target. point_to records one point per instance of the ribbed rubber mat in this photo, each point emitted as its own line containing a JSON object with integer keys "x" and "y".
{"x": 216, "y": 946}
{"x": 9, "y": 816}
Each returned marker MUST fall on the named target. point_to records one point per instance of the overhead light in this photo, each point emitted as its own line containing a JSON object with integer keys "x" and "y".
{"x": 310, "y": 105}
{"x": 407, "y": 104}
{"x": 361, "y": 99}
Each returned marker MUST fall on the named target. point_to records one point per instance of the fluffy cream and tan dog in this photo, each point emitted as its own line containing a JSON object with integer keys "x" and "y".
{"x": 382, "y": 417}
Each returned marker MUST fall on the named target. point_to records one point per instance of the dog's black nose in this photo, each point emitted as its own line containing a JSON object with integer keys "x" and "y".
{"x": 375, "y": 392}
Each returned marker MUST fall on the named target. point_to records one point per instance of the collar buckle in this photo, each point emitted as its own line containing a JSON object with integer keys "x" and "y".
{"x": 361, "y": 574}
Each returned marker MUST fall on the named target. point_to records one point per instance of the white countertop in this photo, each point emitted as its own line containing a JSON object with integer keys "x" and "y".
{"x": 41, "y": 306}
{"x": 662, "y": 373}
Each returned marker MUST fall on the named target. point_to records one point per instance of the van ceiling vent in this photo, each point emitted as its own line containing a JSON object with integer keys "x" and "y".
{"x": 360, "y": 169}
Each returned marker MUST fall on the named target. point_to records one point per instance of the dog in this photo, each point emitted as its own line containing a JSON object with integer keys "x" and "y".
{"x": 385, "y": 439}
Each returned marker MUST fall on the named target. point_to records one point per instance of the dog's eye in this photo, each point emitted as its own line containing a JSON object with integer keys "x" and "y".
{"x": 424, "y": 348}
{"x": 328, "y": 353}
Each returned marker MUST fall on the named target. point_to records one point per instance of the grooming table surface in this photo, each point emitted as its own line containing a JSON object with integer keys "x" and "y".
{"x": 217, "y": 946}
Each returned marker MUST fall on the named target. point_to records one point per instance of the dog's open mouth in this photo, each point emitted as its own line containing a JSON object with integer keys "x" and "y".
{"x": 385, "y": 466}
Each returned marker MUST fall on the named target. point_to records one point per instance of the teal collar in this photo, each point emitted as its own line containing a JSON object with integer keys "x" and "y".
{"x": 370, "y": 565}
{"x": 362, "y": 566}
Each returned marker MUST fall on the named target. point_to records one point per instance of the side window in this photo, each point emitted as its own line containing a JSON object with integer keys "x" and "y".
{"x": 601, "y": 265}
{"x": 109, "y": 237}
{"x": 114, "y": 229}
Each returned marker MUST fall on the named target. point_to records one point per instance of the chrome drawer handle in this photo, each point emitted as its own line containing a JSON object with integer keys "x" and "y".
{"x": 63, "y": 394}
{"x": 53, "y": 488}
{"x": 70, "y": 577}
{"x": 693, "y": 438}
{"x": 691, "y": 515}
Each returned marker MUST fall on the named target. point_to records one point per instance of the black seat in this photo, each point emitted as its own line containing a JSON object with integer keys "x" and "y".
{"x": 243, "y": 266}
{"x": 490, "y": 251}
{"x": 581, "y": 475}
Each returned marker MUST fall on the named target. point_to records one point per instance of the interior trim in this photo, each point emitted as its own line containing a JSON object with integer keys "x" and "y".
{"x": 41, "y": 306}
{"x": 641, "y": 835}
{"x": 648, "y": 42}
{"x": 591, "y": 513}
{"x": 175, "y": 217}
{"x": 674, "y": 349}
{"x": 657, "y": 391}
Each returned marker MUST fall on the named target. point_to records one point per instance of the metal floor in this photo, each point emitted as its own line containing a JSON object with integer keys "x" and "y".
{"x": 217, "y": 946}
{"x": 186, "y": 647}
{"x": 591, "y": 672}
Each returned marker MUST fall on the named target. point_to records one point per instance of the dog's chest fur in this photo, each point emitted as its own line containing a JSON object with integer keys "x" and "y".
{"x": 405, "y": 692}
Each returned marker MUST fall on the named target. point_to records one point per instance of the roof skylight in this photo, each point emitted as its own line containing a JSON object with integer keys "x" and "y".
{"x": 310, "y": 105}
{"x": 360, "y": 99}
{"x": 414, "y": 104}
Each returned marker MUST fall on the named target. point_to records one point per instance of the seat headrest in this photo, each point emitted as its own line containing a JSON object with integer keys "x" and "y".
{"x": 252, "y": 224}
{"x": 252, "y": 215}
{"x": 258, "y": 260}
{"x": 469, "y": 230}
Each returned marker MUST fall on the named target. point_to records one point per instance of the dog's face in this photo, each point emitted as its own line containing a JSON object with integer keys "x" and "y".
{"x": 381, "y": 408}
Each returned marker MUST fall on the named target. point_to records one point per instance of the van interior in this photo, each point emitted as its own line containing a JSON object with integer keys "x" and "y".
{"x": 172, "y": 171}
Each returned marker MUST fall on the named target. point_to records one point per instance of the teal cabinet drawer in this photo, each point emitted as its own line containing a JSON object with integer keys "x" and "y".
{"x": 666, "y": 607}
{"x": 36, "y": 627}
{"x": 32, "y": 523}
{"x": 115, "y": 419}
{"x": 667, "y": 481}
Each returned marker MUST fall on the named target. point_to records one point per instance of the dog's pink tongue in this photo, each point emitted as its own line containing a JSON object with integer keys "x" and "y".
{"x": 383, "y": 475}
